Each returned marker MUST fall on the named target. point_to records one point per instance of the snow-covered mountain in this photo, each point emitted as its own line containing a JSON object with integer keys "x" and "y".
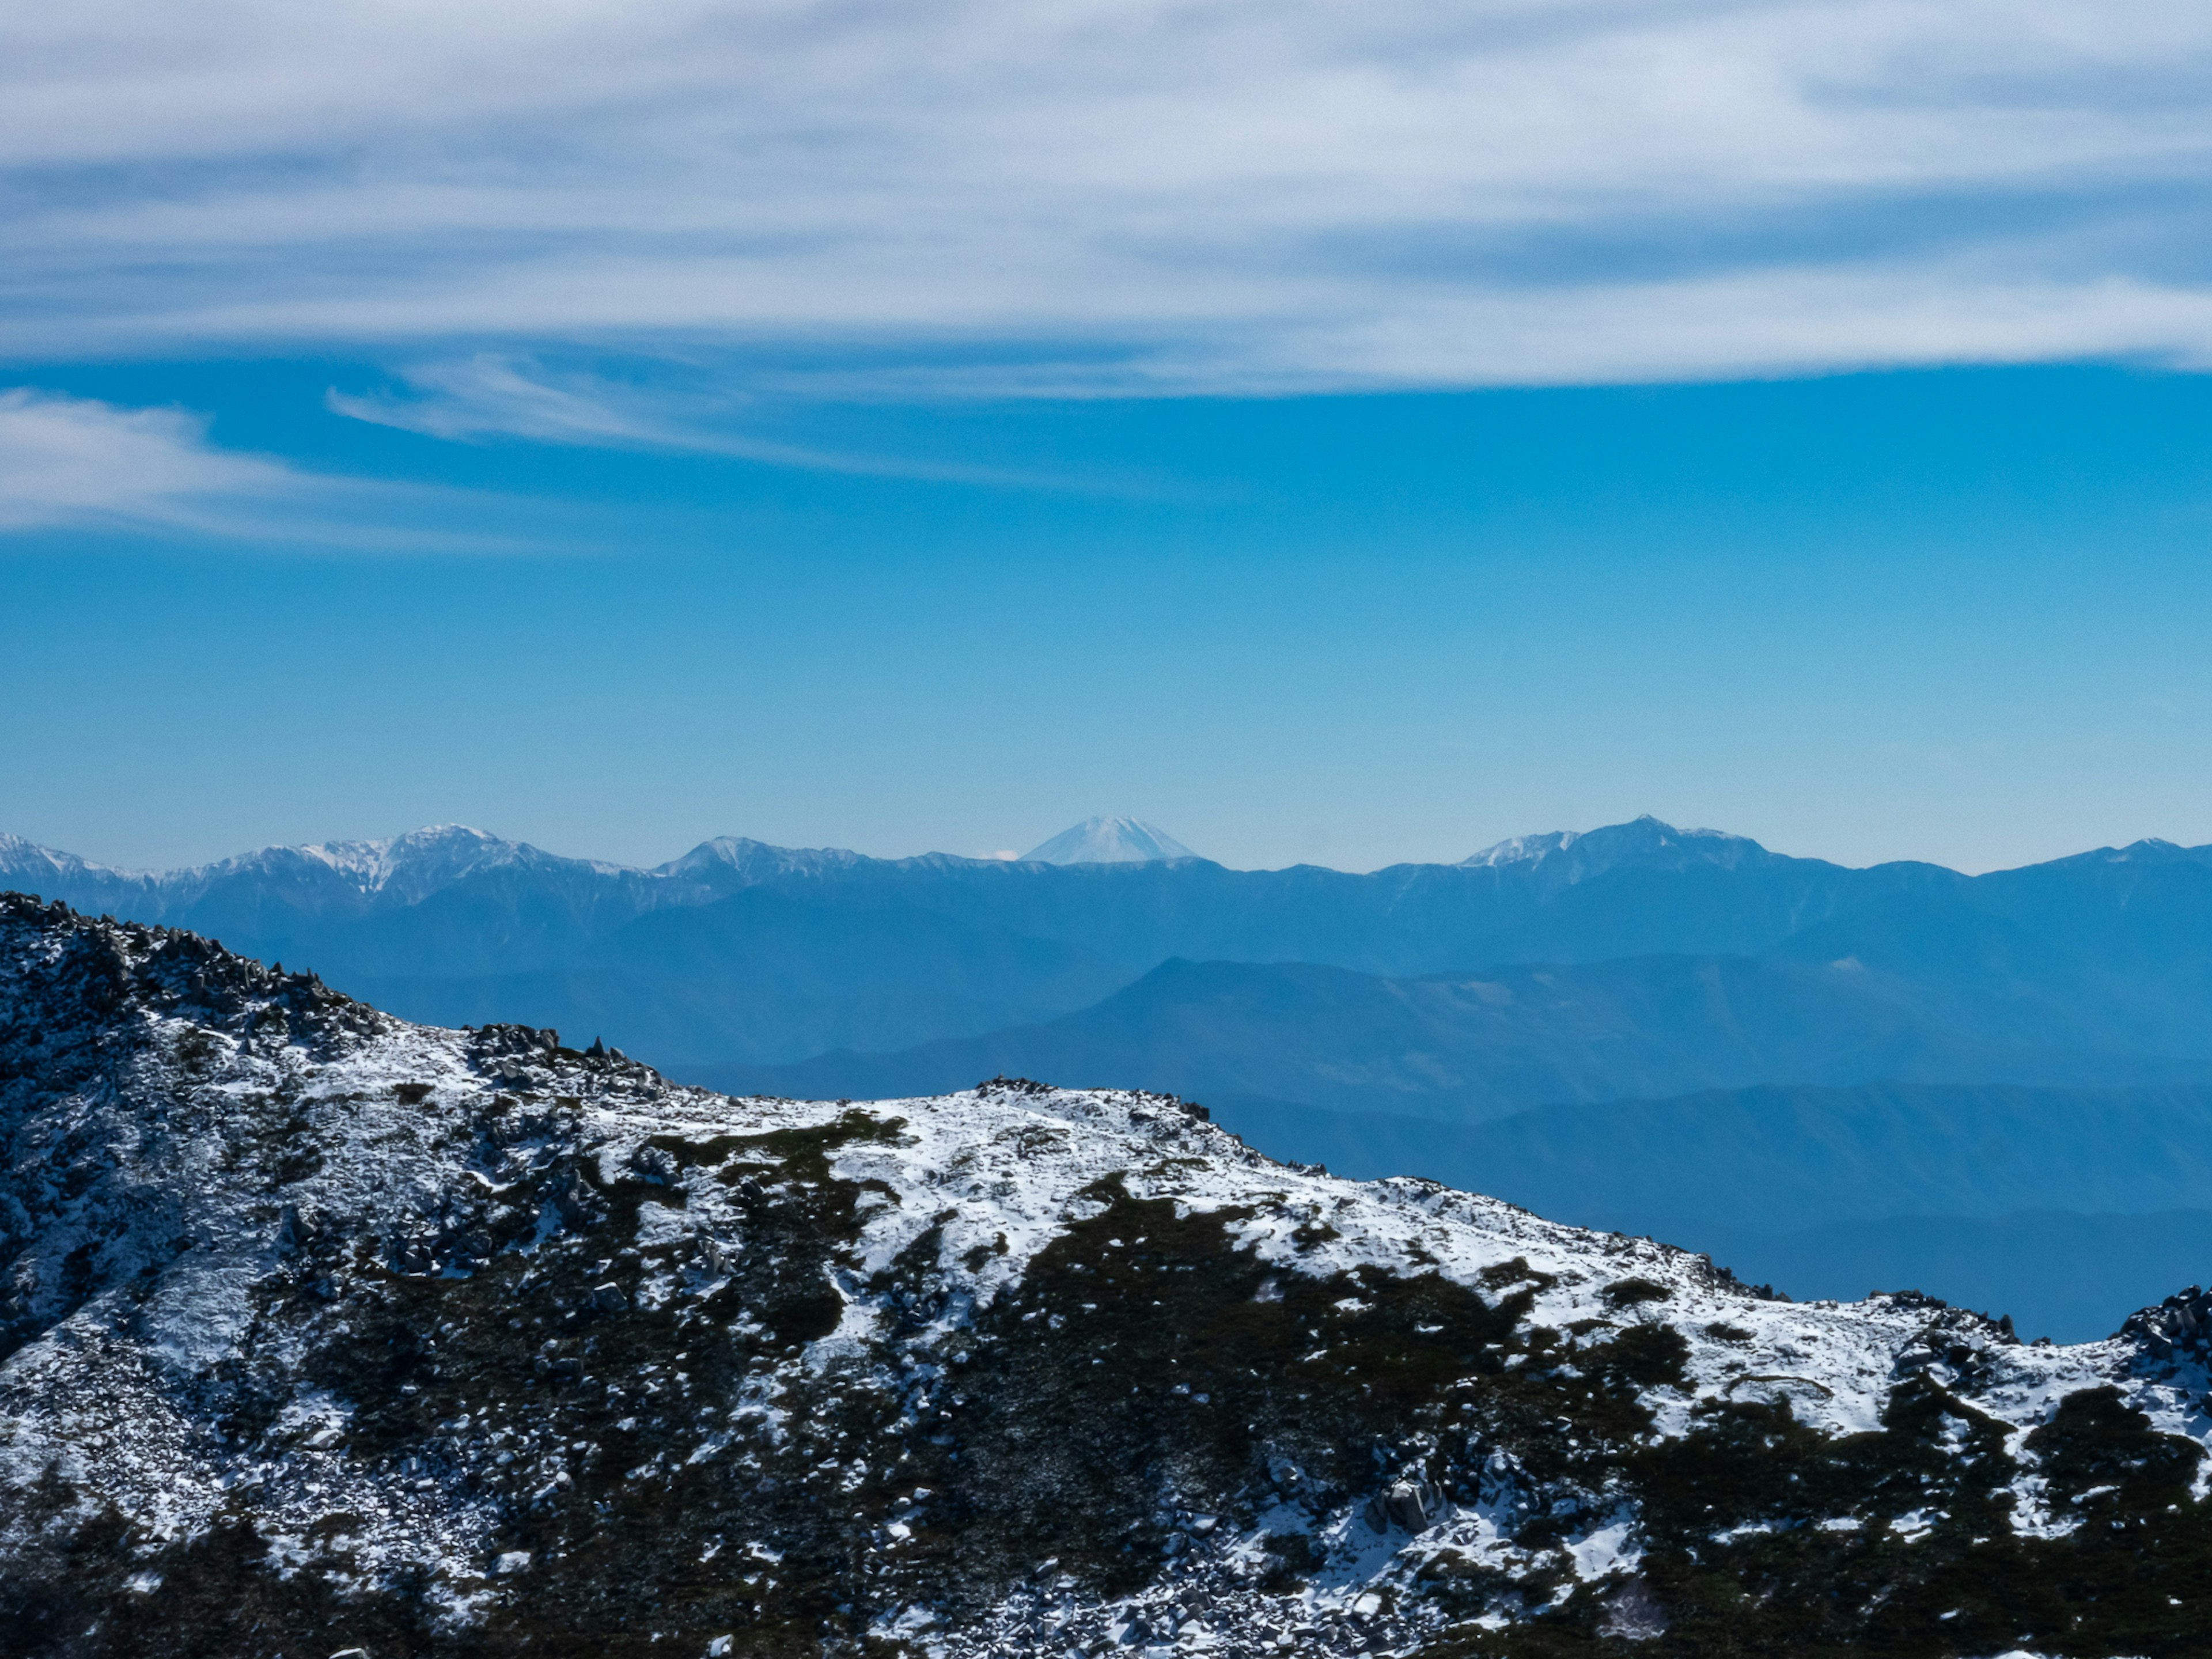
{"x": 356, "y": 876}
{"x": 322, "y": 1331}
{"x": 1566, "y": 856}
{"x": 1109, "y": 841}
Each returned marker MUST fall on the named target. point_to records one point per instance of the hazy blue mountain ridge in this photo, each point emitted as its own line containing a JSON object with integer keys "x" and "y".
{"x": 1470, "y": 1046}
{"x": 1773, "y": 1159}
{"x": 454, "y": 917}
{"x": 767, "y": 972}
{"x": 1384, "y": 1017}
{"x": 2037, "y": 973}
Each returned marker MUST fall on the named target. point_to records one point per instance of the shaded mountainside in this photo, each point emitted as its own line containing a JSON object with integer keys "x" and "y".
{"x": 320, "y": 1327}
{"x": 1772, "y": 1157}
{"x": 762, "y": 972}
{"x": 1470, "y": 1046}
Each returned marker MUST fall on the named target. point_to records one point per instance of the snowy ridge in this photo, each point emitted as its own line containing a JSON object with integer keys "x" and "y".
{"x": 405, "y": 869}
{"x": 423, "y": 859}
{"x": 409, "y": 866}
{"x": 20, "y": 859}
{"x": 1577, "y": 855}
{"x": 1524, "y": 849}
{"x": 460, "y": 1341}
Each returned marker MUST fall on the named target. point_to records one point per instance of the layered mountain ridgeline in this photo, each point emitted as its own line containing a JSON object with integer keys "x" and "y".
{"x": 824, "y": 973}
{"x": 1465, "y": 1046}
{"x": 734, "y": 948}
{"x": 742, "y": 954}
{"x": 2067, "y": 1208}
{"x": 321, "y": 1328}
{"x": 763, "y": 972}
{"x": 472, "y": 903}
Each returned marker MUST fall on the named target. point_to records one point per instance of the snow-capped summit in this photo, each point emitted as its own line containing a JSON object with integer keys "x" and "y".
{"x": 1109, "y": 841}
{"x": 1524, "y": 849}
{"x": 418, "y": 863}
{"x": 410, "y": 867}
{"x": 25, "y": 862}
{"x": 1576, "y": 855}
{"x": 750, "y": 860}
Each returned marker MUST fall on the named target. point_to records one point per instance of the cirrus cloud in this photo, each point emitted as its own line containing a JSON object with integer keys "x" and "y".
{"x": 487, "y": 395}
{"x": 69, "y": 463}
{"x": 1008, "y": 197}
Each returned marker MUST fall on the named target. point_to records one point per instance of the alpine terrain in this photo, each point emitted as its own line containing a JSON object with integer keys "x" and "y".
{"x": 322, "y": 1331}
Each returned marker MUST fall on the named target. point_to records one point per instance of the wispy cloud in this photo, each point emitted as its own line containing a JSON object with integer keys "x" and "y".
{"x": 79, "y": 463}
{"x": 489, "y": 395}
{"x": 70, "y": 461}
{"x": 1013, "y": 198}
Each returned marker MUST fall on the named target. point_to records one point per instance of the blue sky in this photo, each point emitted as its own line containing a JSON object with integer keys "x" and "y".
{"x": 1334, "y": 435}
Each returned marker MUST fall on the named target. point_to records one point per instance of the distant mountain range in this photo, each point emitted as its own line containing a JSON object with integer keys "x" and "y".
{"x": 1564, "y": 970}
{"x": 1634, "y": 959}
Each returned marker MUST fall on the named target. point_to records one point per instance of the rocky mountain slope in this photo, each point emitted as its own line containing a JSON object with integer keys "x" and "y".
{"x": 320, "y": 1330}
{"x": 2066, "y": 1208}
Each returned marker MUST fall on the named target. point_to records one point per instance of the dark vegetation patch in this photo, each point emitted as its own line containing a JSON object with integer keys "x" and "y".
{"x": 1739, "y": 1562}
{"x": 665, "y": 1482}
{"x": 615, "y": 1433}
{"x": 1148, "y": 1368}
{"x": 212, "y": 1596}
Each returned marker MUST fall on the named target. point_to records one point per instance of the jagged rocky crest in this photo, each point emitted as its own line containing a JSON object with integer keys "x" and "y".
{"x": 322, "y": 1330}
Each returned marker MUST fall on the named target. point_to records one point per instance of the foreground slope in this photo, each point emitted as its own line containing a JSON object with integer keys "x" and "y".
{"x": 322, "y": 1328}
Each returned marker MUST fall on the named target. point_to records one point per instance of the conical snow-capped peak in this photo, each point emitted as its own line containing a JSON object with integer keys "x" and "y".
{"x": 1109, "y": 841}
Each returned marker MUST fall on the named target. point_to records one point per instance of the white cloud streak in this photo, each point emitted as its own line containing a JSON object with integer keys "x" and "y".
{"x": 79, "y": 464}
{"x": 487, "y": 395}
{"x": 1153, "y": 195}
{"x": 74, "y": 461}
